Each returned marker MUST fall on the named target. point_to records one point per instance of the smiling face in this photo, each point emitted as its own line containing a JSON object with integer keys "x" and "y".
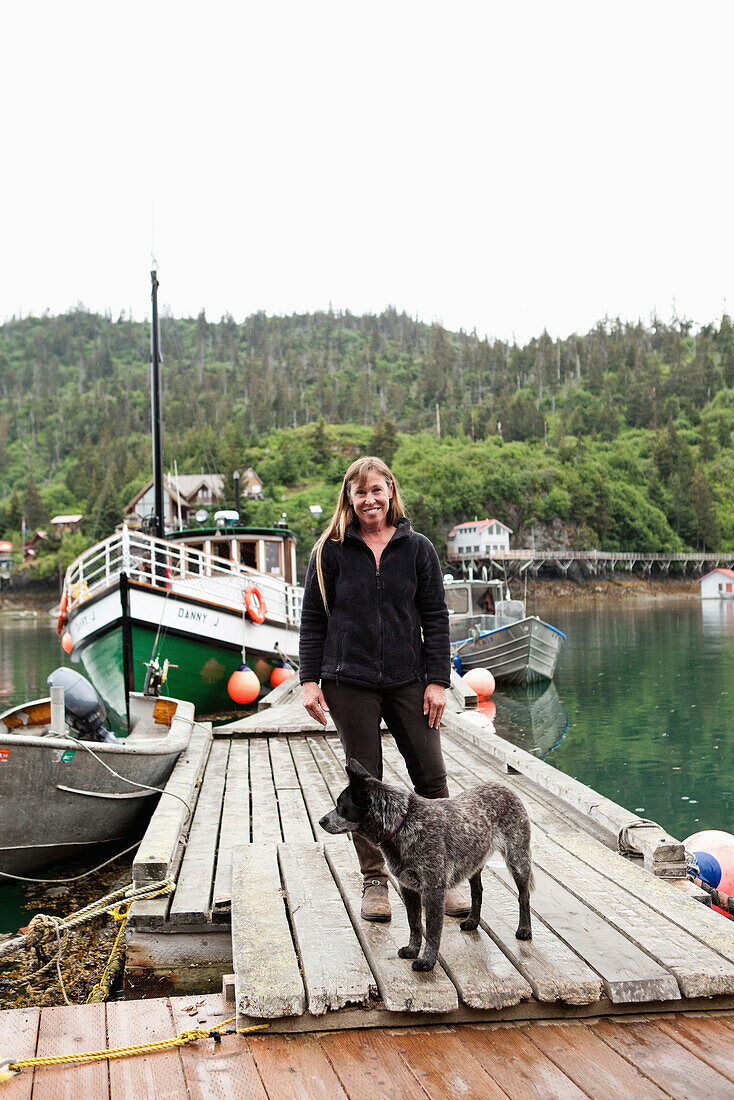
{"x": 370, "y": 500}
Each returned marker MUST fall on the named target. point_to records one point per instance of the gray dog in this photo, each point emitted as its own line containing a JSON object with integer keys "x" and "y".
{"x": 432, "y": 844}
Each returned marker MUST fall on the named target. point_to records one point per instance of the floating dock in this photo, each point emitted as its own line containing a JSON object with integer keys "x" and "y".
{"x": 269, "y": 904}
{"x": 672, "y": 1055}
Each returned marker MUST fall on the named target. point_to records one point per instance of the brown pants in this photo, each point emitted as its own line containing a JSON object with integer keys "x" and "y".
{"x": 356, "y": 712}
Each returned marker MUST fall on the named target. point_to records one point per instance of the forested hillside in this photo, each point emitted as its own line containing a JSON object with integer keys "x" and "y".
{"x": 619, "y": 438}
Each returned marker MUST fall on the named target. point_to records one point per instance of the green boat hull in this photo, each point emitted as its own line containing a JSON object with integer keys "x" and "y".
{"x": 201, "y": 676}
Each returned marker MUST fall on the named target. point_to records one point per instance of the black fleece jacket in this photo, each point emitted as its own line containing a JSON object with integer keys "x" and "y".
{"x": 387, "y": 626}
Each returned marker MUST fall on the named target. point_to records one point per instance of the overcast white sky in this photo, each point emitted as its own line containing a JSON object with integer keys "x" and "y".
{"x": 504, "y": 166}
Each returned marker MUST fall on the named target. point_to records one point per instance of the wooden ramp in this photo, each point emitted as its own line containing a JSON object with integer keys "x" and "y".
{"x": 265, "y": 894}
{"x": 671, "y": 1055}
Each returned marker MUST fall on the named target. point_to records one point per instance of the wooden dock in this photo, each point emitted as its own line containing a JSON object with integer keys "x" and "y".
{"x": 263, "y": 894}
{"x": 672, "y": 1055}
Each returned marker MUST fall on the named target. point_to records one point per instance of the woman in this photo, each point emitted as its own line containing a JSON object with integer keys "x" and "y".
{"x": 375, "y": 633}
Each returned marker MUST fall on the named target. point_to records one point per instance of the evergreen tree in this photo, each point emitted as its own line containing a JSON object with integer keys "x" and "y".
{"x": 708, "y": 528}
{"x": 384, "y": 441}
{"x": 706, "y": 449}
{"x": 33, "y": 506}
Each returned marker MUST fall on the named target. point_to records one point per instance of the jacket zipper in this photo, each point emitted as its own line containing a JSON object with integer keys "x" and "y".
{"x": 379, "y": 623}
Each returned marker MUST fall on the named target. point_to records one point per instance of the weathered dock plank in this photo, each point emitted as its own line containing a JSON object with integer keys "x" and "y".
{"x": 215, "y": 1070}
{"x": 592, "y": 1065}
{"x": 235, "y": 826}
{"x": 64, "y": 1031}
{"x": 710, "y": 1039}
{"x": 671, "y": 1066}
{"x": 699, "y": 971}
{"x": 158, "y": 847}
{"x": 706, "y": 925}
{"x": 628, "y": 974}
{"x": 294, "y": 817}
{"x": 335, "y": 971}
{"x": 444, "y": 1065}
{"x": 18, "y": 1039}
{"x": 332, "y": 770}
{"x": 281, "y": 762}
{"x": 192, "y": 900}
{"x": 513, "y": 1060}
{"x": 483, "y": 975}
{"x": 402, "y": 989}
{"x": 265, "y": 818}
{"x": 61, "y": 1032}
{"x": 267, "y": 975}
{"x": 130, "y": 1023}
{"x": 553, "y": 971}
{"x": 290, "y": 1067}
{"x": 315, "y": 792}
{"x": 368, "y": 1065}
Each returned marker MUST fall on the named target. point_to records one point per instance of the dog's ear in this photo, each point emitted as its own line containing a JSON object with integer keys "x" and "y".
{"x": 356, "y": 771}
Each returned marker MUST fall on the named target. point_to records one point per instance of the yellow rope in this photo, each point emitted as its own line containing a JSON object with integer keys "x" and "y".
{"x": 12, "y": 1067}
{"x": 101, "y": 989}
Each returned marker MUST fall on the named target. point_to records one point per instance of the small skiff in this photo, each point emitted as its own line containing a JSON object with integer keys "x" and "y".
{"x": 57, "y": 795}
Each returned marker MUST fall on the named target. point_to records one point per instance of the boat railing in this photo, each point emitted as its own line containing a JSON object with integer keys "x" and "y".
{"x": 165, "y": 566}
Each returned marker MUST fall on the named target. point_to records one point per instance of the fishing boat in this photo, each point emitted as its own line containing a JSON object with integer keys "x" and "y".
{"x": 490, "y": 630}
{"x": 58, "y": 795}
{"x": 185, "y": 610}
{"x": 181, "y": 607}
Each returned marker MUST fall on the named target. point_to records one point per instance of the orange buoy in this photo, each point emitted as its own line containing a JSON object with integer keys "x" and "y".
{"x": 62, "y": 619}
{"x": 254, "y": 603}
{"x": 243, "y": 685}
{"x": 67, "y": 642}
{"x": 713, "y": 850}
{"x": 280, "y": 675}
{"x": 480, "y": 680}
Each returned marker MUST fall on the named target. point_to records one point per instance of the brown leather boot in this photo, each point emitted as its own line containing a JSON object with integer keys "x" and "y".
{"x": 455, "y": 904}
{"x": 375, "y": 902}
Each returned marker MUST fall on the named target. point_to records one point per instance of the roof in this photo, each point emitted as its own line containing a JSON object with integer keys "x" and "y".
{"x": 68, "y": 519}
{"x": 479, "y": 525}
{"x": 181, "y": 489}
{"x": 726, "y": 572}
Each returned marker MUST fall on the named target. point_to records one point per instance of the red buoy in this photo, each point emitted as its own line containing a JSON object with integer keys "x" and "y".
{"x": 713, "y": 850}
{"x": 67, "y": 642}
{"x": 280, "y": 675}
{"x": 243, "y": 685}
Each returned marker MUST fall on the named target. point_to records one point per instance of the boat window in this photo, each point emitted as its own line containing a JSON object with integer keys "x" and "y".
{"x": 221, "y": 549}
{"x": 248, "y": 554}
{"x": 457, "y": 600}
{"x": 272, "y": 557}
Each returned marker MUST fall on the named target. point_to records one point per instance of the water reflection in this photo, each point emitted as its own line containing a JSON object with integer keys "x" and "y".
{"x": 29, "y": 651}
{"x": 717, "y": 617}
{"x": 533, "y": 717}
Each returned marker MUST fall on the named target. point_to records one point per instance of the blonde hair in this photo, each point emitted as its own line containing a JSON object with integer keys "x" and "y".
{"x": 343, "y": 516}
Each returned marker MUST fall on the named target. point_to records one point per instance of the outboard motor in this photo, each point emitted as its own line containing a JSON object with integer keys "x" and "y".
{"x": 85, "y": 712}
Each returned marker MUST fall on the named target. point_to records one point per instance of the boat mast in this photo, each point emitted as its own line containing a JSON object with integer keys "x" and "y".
{"x": 155, "y": 392}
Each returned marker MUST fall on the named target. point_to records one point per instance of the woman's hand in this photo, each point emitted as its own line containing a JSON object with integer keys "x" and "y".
{"x": 434, "y": 704}
{"x": 314, "y": 702}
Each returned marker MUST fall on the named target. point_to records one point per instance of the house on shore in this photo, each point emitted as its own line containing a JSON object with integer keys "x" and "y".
{"x": 63, "y": 525}
{"x": 477, "y": 538}
{"x": 718, "y": 585}
{"x": 184, "y": 495}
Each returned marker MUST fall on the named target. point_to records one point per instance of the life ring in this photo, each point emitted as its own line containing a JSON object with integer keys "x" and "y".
{"x": 254, "y": 603}
{"x": 62, "y": 619}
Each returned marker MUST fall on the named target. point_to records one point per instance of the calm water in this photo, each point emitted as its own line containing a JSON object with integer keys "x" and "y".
{"x": 641, "y": 709}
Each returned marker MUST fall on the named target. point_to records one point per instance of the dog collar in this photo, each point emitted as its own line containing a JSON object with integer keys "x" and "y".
{"x": 397, "y": 827}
